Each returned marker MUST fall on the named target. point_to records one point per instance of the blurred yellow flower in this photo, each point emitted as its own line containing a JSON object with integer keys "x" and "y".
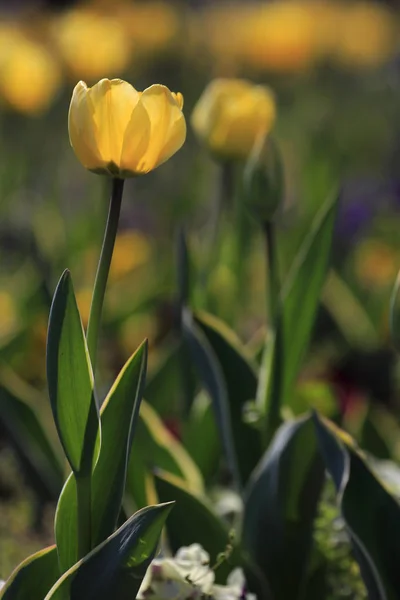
{"x": 152, "y": 26}
{"x": 365, "y": 35}
{"x": 119, "y": 131}
{"x": 376, "y": 264}
{"x": 281, "y": 36}
{"x": 231, "y": 115}
{"x": 29, "y": 75}
{"x": 132, "y": 249}
{"x": 91, "y": 44}
{"x": 9, "y": 316}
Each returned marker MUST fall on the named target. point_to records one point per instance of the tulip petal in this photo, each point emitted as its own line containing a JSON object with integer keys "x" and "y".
{"x": 168, "y": 129}
{"x": 113, "y": 103}
{"x": 82, "y": 129}
{"x": 136, "y": 142}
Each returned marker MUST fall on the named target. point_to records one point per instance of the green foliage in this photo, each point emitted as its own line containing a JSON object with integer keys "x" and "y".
{"x": 280, "y": 508}
{"x": 119, "y": 414}
{"x": 33, "y": 577}
{"x": 117, "y": 566}
{"x": 371, "y": 514}
{"x": 70, "y": 380}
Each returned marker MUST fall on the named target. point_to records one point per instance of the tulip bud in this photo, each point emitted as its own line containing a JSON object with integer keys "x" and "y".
{"x": 231, "y": 115}
{"x": 264, "y": 179}
{"x": 119, "y": 131}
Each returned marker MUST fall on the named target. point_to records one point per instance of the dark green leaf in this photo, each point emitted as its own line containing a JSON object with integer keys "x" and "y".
{"x": 200, "y": 437}
{"x": 34, "y": 577}
{"x": 70, "y": 380}
{"x": 154, "y": 446}
{"x": 302, "y": 289}
{"x": 280, "y": 507}
{"x": 29, "y": 439}
{"x": 371, "y": 514}
{"x": 195, "y": 522}
{"x": 119, "y": 414}
{"x": 299, "y": 299}
{"x": 212, "y": 377}
{"x": 115, "y": 568}
{"x": 241, "y": 385}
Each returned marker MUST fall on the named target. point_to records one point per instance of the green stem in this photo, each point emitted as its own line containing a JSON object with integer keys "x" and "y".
{"x": 269, "y": 387}
{"x": 104, "y": 268}
{"x": 272, "y": 271}
{"x": 84, "y": 499}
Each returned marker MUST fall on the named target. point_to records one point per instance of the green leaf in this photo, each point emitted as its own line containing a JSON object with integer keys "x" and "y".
{"x": 200, "y": 437}
{"x": 154, "y": 446}
{"x": 116, "y": 567}
{"x": 29, "y": 438}
{"x": 70, "y": 380}
{"x": 299, "y": 299}
{"x": 33, "y": 578}
{"x": 371, "y": 514}
{"x": 167, "y": 376}
{"x": 302, "y": 290}
{"x": 212, "y": 377}
{"x": 119, "y": 414}
{"x": 195, "y": 522}
{"x": 280, "y": 507}
{"x": 241, "y": 386}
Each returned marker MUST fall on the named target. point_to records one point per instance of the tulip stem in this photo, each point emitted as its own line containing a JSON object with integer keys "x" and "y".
{"x": 271, "y": 389}
{"x": 272, "y": 270}
{"x": 103, "y": 269}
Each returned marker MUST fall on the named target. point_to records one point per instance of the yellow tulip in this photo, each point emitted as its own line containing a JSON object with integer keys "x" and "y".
{"x": 232, "y": 115}
{"x": 281, "y": 36}
{"x": 119, "y": 131}
{"x": 29, "y": 76}
{"x": 90, "y": 43}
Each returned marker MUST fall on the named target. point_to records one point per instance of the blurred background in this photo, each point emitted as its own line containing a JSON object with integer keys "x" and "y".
{"x": 334, "y": 68}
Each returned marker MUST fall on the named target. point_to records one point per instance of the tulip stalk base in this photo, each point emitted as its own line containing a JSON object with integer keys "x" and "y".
{"x": 103, "y": 268}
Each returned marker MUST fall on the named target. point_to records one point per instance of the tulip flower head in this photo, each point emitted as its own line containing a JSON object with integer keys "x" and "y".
{"x": 116, "y": 130}
{"x": 231, "y": 115}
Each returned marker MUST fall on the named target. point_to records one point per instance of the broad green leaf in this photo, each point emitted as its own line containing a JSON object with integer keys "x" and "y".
{"x": 194, "y": 521}
{"x": 302, "y": 290}
{"x": 200, "y": 437}
{"x": 70, "y": 380}
{"x": 116, "y": 567}
{"x": 299, "y": 299}
{"x": 155, "y": 447}
{"x": 241, "y": 385}
{"x": 29, "y": 438}
{"x": 371, "y": 514}
{"x": 33, "y": 578}
{"x": 167, "y": 376}
{"x": 280, "y": 507}
{"x": 119, "y": 414}
{"x": 212, "y": 378}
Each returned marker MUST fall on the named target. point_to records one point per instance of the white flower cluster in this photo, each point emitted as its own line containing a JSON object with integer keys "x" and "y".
{"x": 188, "y": 576}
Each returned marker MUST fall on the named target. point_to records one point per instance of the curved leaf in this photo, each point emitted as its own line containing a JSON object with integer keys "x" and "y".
{"x": 29, "y": 438}
{"x": 34, "y": 577}
{"x": 280, "y": 507}
{"x": 212, "y": 377}
{"x": 195, "y": 522}
{"x": 299, "y": 300}
{"x": 70, "y": 380}
{"x": 155, "y": 447}
{"x": 200, "y": 437}
{"x": 119, "y": 414}
{"x": 241, "y": 385}
{"x": 115, "y": 568}
{"x": 371, "y": 514}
